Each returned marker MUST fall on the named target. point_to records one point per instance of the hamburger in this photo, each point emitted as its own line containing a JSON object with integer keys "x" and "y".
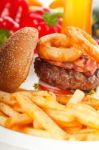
{"x": 81, "y": 72}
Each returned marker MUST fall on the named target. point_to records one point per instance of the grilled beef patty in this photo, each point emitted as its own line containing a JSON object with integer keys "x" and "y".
{"x": 65, "y": 78}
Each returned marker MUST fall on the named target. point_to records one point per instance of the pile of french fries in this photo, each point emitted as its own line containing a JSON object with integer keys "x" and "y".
{"x": 43, "y": 114}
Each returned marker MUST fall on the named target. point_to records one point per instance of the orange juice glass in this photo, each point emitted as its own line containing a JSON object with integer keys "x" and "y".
{"x": 78, "y": 13}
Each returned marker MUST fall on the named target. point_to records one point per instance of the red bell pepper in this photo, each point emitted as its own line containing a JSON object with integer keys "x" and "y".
{"x": 44, "y": 20}
{"x": 15, "y": 9}
{"x": 9, "y": 23}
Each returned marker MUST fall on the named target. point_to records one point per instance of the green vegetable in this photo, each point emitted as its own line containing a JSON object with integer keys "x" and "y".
{"x": 36, "y": 86}
{"x": 95, "y": 23}
{"x": 4, "y": 35}
{"x": 95, "y": 30}
{"x": 90, "y": 92}
{"x": 95, "y": 15}
{"x": 52, "y": 18}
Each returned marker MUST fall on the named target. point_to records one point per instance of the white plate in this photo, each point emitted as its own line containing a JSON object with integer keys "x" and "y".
{"x": 11, "y": 140}
{"x": 19, "y": 141}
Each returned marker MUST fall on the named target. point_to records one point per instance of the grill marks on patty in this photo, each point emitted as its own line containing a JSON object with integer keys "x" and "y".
{"x": 64, "y": 78}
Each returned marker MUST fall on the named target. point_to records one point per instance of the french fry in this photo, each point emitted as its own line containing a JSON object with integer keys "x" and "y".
{"x": 79, "y": 130}
{"x": 37, "y": 132}
{"x": 1, "y": 113}
{"x": 63, "y": 99}
{"x": 45, "y": 94}
{"x": 88, "y": 130}
{"x": 92, "y": 137}
{"x": 85, "y": 137}
{"x": 17, "y": 108}
{"x": 18, "y": 128}
{"x": 78, "y": 96}
{"x": 44, "y": 99}
{"x": 37, "y": 125}
{"x": 89, "y": 100}
{"x": 65, "y": 116}
{"x": 74, "y": 124}
{"x": 86, "y": 115}
{"x": 7, "y": 110}
{"x": 3, "y": 120}
{"x": 15, "y": 117}
{"x": 74, "y": 130}
{"x": 7, "y": 98}
{"x": 22, "y": 119}
{"x": 77, "y": 137}
{"x": 44, "y": 103}
{"x": 40, "y": 113}
{"x": 34, "y": 111}
{"x": 84, "y": 134}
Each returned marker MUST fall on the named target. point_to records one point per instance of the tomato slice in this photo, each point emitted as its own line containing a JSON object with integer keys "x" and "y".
{"x": 54, "y": 90}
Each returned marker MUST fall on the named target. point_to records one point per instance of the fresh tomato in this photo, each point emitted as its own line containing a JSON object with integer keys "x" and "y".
{"x": 8, "y": 23}
{"x": 15, "y": 9}
{"x": 44, "y": 20}
{"x": 54, "y": 90}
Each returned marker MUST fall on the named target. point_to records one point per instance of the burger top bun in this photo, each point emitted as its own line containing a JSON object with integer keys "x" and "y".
{"x": 15, "y": 58}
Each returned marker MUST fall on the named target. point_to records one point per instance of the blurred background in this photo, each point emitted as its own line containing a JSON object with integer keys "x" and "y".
{"x": 95, "y": 3}
{"x": 95, "y": 13}
{"x": 45, "y": 15}
{"x": 47, "y": 2}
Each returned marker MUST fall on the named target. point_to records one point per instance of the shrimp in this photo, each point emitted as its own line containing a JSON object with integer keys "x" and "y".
{"x": 84, "y": 40}
{"x": 57, "y": 47}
